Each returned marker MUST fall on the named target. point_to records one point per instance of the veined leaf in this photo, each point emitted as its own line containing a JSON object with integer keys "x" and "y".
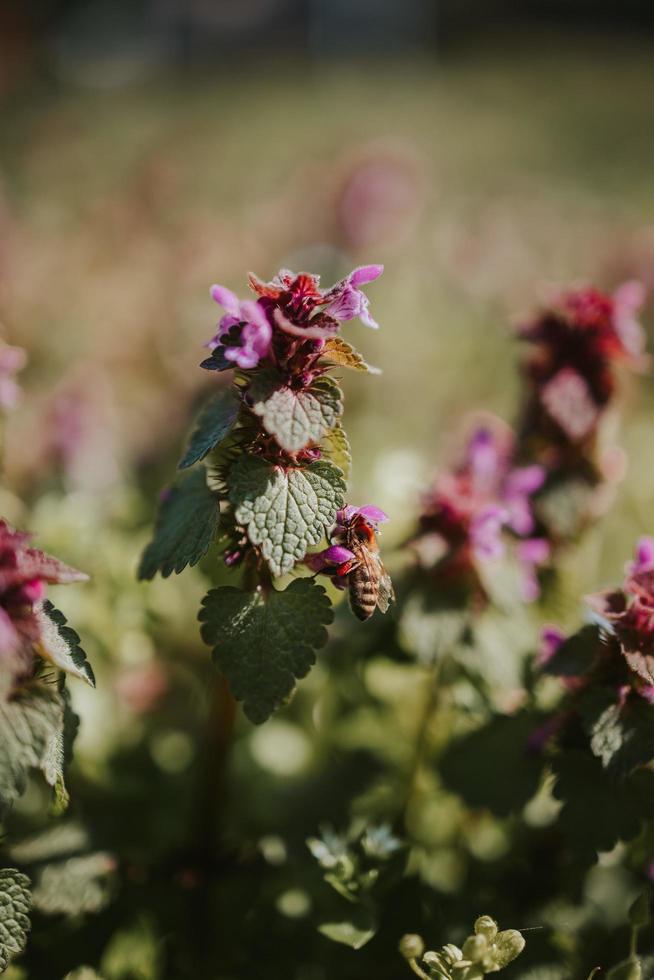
{"x": 264, "y": 643}
{"x": 31, "y": 737}
{"x": 338, "y": 351}
{"x": 336, "y": 448}
{"x": 285, "y": 510}
{"x": 213, "y": 424}
{"x": 15, "y": 905}
{"x": 60, "y": 643}
{"x": 296, "y": 418}
{"x": 187, "y": 523}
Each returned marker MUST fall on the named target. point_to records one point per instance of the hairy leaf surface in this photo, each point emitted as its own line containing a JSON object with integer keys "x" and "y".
{"x": 296, "y": 418}
{"x": 285, "y": 510}
{"x": 336, "y": 448}
{"x": 213, "y": 424}
{"x": 338, "y": 351}
{"x": 31, "y": 737}
{"x": 61, "y": 644}
{"x": 15, "y": 905}
{"x": 187, "y": 523}
{"x": 264, "y": 643}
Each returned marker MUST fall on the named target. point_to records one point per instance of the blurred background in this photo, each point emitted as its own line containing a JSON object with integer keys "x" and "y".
{"x": 484, "y": 151}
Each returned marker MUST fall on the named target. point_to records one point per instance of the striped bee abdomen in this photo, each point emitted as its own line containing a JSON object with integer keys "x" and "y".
{"x": 364, "y": 590}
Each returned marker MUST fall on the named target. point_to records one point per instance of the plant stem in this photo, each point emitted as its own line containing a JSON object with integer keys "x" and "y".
{"x": 422, "y": 734}
{"x": 417, "y": 970}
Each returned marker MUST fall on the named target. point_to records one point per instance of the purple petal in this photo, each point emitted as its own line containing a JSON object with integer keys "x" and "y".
{"x": 337, "y": 555}
{"x": 551, "y": 638}
{"x": 644, "y": 560}
{"x": 225, "y": 298}
{"x": 525, "y": 480}
{"x": 534, "y": 551}
{"x": 346, "y": 514}
{"x": 365, "y": 273}
{"x": 485, "y": 533}
{"x": 321, "y": 332}
{"x": 253, "y": 312}
{"x": 483, "y": 456}
{"x": 627, "y": 300}
{"x": 374, "y": 514}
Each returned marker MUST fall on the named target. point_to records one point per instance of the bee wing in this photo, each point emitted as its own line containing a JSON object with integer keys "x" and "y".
{"x": 386, "y": 593}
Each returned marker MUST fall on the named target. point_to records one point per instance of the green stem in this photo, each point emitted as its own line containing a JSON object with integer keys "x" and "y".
{"x": 633, "y": 943}
{"x": 413, "y": 963}
{"x": 422, "y": 734}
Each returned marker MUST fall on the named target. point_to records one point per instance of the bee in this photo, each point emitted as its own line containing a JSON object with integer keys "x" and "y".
{"x": 369, "y": 583}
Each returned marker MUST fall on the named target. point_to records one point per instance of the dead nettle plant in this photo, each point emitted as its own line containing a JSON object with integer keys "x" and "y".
{"x": 38, "y": 650}
{"x": 265, "y": 479}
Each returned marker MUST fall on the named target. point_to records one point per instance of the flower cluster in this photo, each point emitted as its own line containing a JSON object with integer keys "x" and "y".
{"x": 628, "y": 612}
{"x": 488, "y": 950}
{"x": 470, "y": 506}
{"x": 570, "y": 370}
{"x": 615, "y": 652}
{"x": 289, "y": 309}
{"x": 24, "y": 574}
{"x": 274, "y": 483}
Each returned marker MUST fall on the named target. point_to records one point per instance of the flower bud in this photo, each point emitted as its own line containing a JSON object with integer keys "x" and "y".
{"x": 475, "y": 948}
{"x": 485, "y": 926}
{"x": 411, "y": 946}
{"x": 451, "y": 953}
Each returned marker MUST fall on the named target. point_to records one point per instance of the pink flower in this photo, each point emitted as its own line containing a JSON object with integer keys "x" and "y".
{"x": 245, "y": 322}
{"x": 12, "y": 360}
{"x": 24, "y": 573}
{"x": 644, "y": 559}
{"x": 486, "y": 533}
{"x": 347, "y": 301}
{"x": 329, "y": 559}
{"x": 370, "y": 514}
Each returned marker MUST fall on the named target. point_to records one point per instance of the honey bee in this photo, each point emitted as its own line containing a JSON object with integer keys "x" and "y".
{"x": 369, "y": 583}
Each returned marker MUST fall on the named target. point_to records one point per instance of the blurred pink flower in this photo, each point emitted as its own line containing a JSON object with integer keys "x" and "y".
{"x": 12, "y": 360}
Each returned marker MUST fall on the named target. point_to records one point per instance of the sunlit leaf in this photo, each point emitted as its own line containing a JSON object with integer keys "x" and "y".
{"x": 338, "y": 351}
{"x": 285, "y": 510}
{"x": 296, "y": 418}
{"x": 31, "y": 737}
{"x": 60, "y": 643}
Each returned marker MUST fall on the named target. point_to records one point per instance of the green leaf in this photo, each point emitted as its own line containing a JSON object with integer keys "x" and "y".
{"x": 285, "y": 510}
{"x": 263, "y": 643}
{"x": 15, "y": 905}
{"x": 60, "y": 644}
{"x": 493, "y": 767}
{"x": 577, "y": 653}
{"x": 296, "y": 418}
{"x": 639, "y": 912}
{"x": 74, "y": 886}
{"x": 598, "y": 811}
{"x": 214, "y": 423}
{"x": 31, "y": 737}
{"x": 336, "y": 448}
{"x": 187, "y": 523}
{"x": 338, "y": 351}
{"x": 621, "y": 735}
{"x": 354, "y": 932}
